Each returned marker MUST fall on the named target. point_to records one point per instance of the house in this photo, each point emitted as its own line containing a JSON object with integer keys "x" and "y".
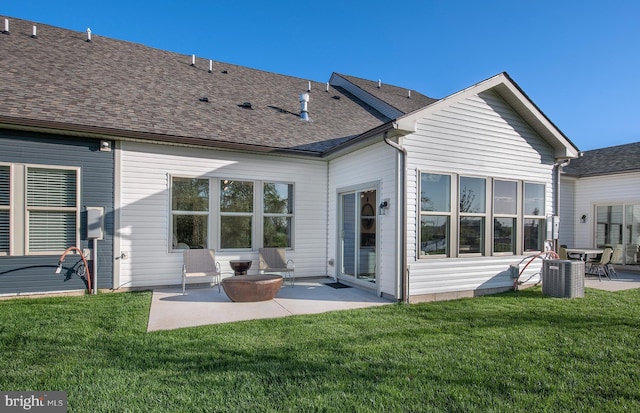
{"x": 600, "y": 194}
{"x": 375, "y": 185}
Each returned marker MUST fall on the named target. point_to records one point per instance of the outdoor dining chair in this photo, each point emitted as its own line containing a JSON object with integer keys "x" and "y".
{"x": 602, "y": 267}
{"x": 200, "y": 263}
{"x": 275, "y": 260}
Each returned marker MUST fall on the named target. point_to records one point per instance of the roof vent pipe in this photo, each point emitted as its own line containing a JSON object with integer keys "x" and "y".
{"x": 6, "y": 26}
{"x": 193, "y": 60}
{"x": 309, "y": 88}
{"x": 34, "y": 33}
{"x": 304, "y": 113}
{"x": 88, "y": 34}
{"x": 409, "y": 94}
{"x": 327, "y": 88}
{"x": 210, "y": 66}
{"x": 379, "y": 83}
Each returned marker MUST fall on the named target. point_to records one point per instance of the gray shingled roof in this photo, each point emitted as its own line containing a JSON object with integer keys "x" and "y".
{"x": 58, "y": 80}
{"x": 395, "y": 96}
{"x": 606, "y": 161}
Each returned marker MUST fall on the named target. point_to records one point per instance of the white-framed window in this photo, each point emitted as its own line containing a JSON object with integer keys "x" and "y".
{"x": 230, "y": 214}
{"x": 435, "y": 214}
{"x": 473, "y": 215}
{"x": 236, "y": 214}
{"x": 534, "y": 217}
{"x": 190, "y": 205}
{"x": 277, "y": 214}
{"x": 51, "y": 209}
{"x": 5, "y": 209}
{"x": 505, "y": 216}
{"x": 488, "y": 209}
{"x": 39, "y": 209}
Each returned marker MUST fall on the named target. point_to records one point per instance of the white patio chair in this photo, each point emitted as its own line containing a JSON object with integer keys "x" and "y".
{"x": 601, "y": 267}
{"x": 274, "y": 260}
{"x": 200, "y": 263}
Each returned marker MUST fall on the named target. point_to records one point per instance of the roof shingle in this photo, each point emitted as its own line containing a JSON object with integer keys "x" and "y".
{"x": 606, "y": 161}
{"x": 61, "y": 81}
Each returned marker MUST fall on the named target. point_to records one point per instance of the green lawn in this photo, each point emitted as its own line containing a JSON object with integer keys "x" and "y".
{"x": 510, "y": 352}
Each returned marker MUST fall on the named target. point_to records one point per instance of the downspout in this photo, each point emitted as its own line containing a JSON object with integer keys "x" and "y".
{"x": 404, "y": 279}
{"x": 558, "y": 167}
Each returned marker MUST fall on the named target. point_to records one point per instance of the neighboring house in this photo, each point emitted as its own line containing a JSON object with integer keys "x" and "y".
{"x": 600, "y": 206}
{"x": 375, "y": 185}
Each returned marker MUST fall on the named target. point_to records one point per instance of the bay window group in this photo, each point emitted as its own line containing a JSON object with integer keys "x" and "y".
{"x": 230, "y": 214}
{"x": 477, "y": 216}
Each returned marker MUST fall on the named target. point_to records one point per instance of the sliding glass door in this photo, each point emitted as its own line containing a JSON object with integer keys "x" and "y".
{"x": 618, "y": 227}
{"x": 358, "y": 236}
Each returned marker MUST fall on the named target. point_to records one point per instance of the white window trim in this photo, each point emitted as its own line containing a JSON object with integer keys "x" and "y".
{"x": 277, "y": 215}
{"x": 453, "y": 224}
{"x": 215, "y": 215}
{"x": 178, "y": 212}
{"x": 516, "y": 216}
{"x": 21, "y": 205}
{"x": 455, "y": 215}
{"x": 253, "y": 214}
{"x": 9, "y": 208}
{"x": 542, "y": 217}
{"x": 488, "y": 232}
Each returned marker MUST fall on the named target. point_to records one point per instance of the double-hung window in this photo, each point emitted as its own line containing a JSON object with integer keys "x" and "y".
{"x": 43, "y": 204}
{"x": 236, "y": 214}
{"x": 534, "y": 217}
{"x": 473, "y": 211}
{"x": 230, "y": 214}
{"x": 190, "y": 212}
{"x": 505, "y": 216}
{"x": 277, "y": 214}
{"x": 51, "y": 209}
{"x": 5, "y": 208}
{"x": 493, "y": 216}
{"x": 435, "y": 214}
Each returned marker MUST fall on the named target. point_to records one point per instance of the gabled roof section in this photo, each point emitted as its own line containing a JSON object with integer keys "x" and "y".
{"x": 504, "y": 86}
{"x": 393, "y": 101}
{"x": 61, "y": 83}
{"x": 606, "y": 161}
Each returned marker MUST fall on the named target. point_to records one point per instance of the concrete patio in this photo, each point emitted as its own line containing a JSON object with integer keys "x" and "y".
{"x": 201, "y": 306}
{"x": 624, "y": 281}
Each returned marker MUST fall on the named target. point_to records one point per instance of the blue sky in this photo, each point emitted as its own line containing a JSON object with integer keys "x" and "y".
{"x": 579, "y": 61}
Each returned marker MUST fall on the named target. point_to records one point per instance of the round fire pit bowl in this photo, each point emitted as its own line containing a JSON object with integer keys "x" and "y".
{"x": 240, "y": 267}
{"x": 252, "y": 288}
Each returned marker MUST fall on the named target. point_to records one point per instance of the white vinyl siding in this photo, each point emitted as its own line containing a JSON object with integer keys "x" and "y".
{"x": 599, "y": 190}
{"x": 477, "y": 136}
{"x": 145, "y": 216}
{"x": 374, "y": 165}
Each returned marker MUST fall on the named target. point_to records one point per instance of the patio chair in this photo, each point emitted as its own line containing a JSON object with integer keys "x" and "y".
{"x": 562, "y": 253}
{"x": 274, "y": 260}
{"x": 200, "y": 263}
{"x": 600, "y": 267}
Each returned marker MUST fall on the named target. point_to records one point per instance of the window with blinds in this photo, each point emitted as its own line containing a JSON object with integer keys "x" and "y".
{"x": 5, "y": 211}
{"x": 52, "y": 208}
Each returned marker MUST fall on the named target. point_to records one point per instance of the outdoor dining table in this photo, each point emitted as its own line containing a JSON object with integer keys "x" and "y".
{"x": 585, "y": 252}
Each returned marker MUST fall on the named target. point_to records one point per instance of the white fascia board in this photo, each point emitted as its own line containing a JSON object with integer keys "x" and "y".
{"x": 512, "y": 94}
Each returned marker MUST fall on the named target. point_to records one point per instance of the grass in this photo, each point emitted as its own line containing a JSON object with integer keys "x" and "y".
{"x": 510, "y": 352}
